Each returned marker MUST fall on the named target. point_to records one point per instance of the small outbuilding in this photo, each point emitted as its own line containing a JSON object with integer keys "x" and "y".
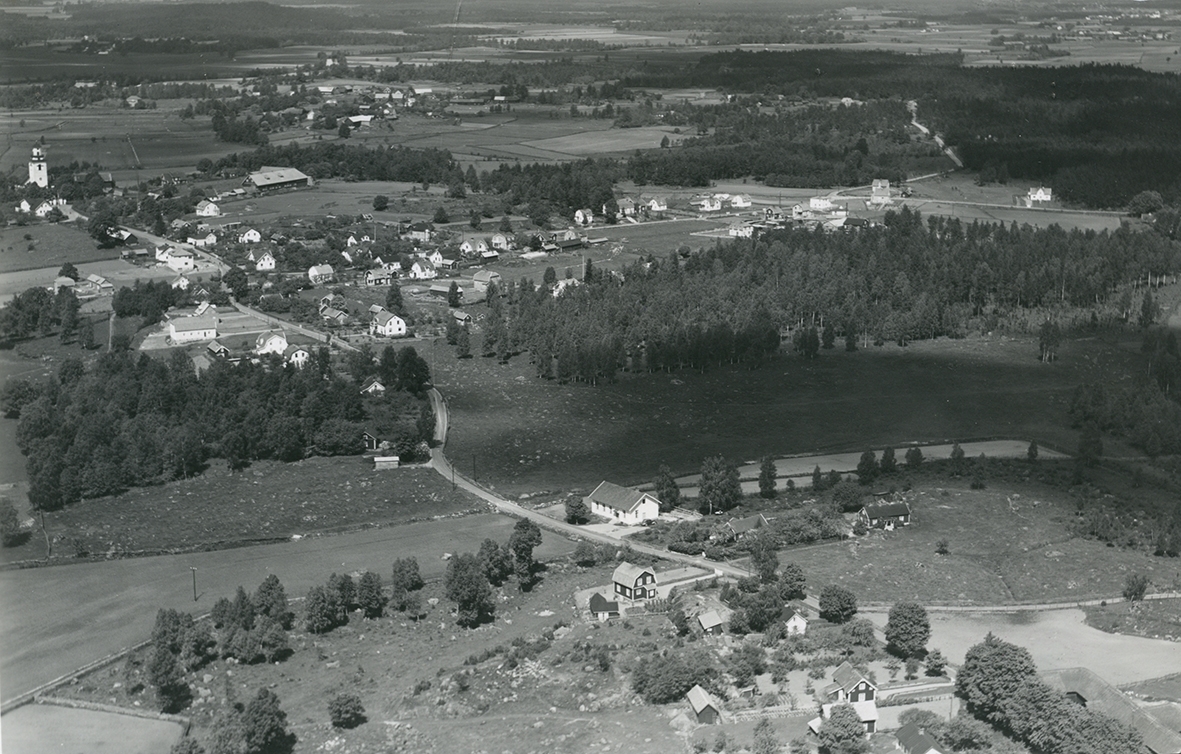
{"x": 885, "y": 515}
{"x": 602, "y": 608}
{"x": 710, "y": 622}
{"x": 706, "y": 710}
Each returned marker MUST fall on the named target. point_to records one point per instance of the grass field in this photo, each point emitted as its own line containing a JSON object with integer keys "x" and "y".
{"x": 518, "y": 428}
{"x": 268, "y": 500}
{"x": 47, "y": 245}
{"x": 1008, "y": 543}
{"x": 556, "y": 704}
{"x": 1158, "y": 619}
{"x": 37, "y": 728}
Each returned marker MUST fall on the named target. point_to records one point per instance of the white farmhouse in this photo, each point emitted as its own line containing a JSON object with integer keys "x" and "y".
{"x": 622, "y": 504}
{"x": 388, "y": 325}
{"x": 192, "y": 329}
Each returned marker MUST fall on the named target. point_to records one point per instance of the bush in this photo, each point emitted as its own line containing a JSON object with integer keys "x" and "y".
{"x": 346, "y": 711}
{"x": 11, "y": 534}
{"x": 1135, "y": 587}
{"x": 837, "y": 604}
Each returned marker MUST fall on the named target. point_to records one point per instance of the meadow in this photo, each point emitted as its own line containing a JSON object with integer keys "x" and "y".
{"x": 519, "y": 431}
{"x": 45, "y": 245}
{"x": 267, "y": 501}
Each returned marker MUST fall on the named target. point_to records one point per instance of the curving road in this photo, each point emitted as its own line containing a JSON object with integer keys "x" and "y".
{"x": 440, "y": 463}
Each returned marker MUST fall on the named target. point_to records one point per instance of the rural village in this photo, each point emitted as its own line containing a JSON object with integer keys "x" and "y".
{"x": 565, "y": 386}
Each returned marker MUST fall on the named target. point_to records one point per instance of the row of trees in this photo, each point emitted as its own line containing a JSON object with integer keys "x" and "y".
{"x": 337, "y": 160}
{"x": 999, "y": 683}
{"x": 130, "y": 422}
{"x": 471, "y": 577}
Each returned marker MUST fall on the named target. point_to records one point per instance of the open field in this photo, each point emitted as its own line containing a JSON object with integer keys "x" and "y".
{"x": 269, "y": 500}
{"x": 117, "y": 271}
{"x": 1007, "y": 543}
{"x": 383, "y": 660}
{"x": 1056, "y": 639}
{"x": 47, "y": 246}
{"x": 59, "y": 618}
{"x": 118, "y": 139}
{"x": 1156, "y": 619}
{"x": 37, "y": 728}
{"x": 517, "y": 428}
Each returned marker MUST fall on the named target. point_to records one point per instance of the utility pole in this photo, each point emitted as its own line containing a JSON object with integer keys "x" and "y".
{"x": 194, "y": 570}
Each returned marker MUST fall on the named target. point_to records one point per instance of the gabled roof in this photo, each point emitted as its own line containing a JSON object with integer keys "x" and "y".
{"x": 190, "y": 324}
{"x": 846, "y": 677}
{"x": 486, "y": 276}
{"x": 372, "y": 382}
{"x": 710, "y": 620}
{"x": 881, "y": 510}
{"x": 626, "y": 573}
{"x": 1102, "y": 697}
{"x": 292, "y": 350}
{"x": 792, "y": 613}
{"x": 600, "y": 604}
{"x": 699, "y": 699}
{"x": 383, "y": 317}
{"x": 616, "y": 497}
{"x": 866, "y": 711}
{"x": 750, "y": 523}
{"x": 915, "y": 741}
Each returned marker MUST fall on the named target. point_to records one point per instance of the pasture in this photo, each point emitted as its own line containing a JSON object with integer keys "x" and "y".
{"x": 268, "y": 500}
{"x": 1008, "y": 543}
{"x": 516, "y": 428}
{"x": 48, "y": 246}
{"x": 119, "y": 139}
{"x": 37, "y": 728}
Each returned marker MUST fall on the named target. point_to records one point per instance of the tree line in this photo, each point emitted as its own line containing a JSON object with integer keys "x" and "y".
{"x": 336, "y": 160}
{"x": 130, "y": 422}
{"x": 901, "y": 281}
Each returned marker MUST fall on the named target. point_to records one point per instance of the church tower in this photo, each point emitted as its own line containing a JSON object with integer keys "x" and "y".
{"x": 38, "y": 168}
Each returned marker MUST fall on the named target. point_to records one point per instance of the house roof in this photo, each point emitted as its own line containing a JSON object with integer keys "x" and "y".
{"x": 189, "y": 324}
{"x": 331, "y": 313}
{"x": 846, "y": 677}
{"x": 600, "y": 604}
{"x": 486, "y": 276}
{"x": 1102, "y": 697}
{"x": 743, "y": 525}
{"x": 793, "y": 613}
{"x": 320, "y": 269}
{"x": 866, "y": 711}
{"x": 710, "y": 620}
{"x": 626, "y": 573}
{"x": 383, "y": 317}
{"x": 616, "y": 497}
{"x": 292, "y": 350}
{"x": 372, "y": 382}
{"x": 262, "y": 339}
{"x": 913, "y": 740}
{"x": 276, "y": 176}
{"x": 881, "y": 510}
{"x": 699, "y": 699}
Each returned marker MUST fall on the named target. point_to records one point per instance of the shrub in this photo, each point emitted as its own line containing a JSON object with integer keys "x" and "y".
{"x": 346, "y": 711}
{"x": 11, "y": 533}
{"x": 837, "y": 604}
{"x": 1135, "y": 587}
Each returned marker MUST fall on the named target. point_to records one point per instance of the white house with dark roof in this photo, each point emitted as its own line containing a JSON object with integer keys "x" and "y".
{"x": 622, "y": 504}
{"x": 297, "y": 356}
{"x": 795, "y": 624}
{"x": 206, "y": 208}
{"x": 634, "y": 583}
{"x": 265, "y": 262}
{"x": 250, "y": 236}
{"x": 388, "y": 325}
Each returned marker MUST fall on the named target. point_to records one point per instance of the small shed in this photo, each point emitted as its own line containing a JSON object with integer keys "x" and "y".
{"x": 885, "y": 515}
{"x": 711, "y": 622}
{"x": 705, "y": 709}
{"x": 380, "y": 463}
{"x": 603, "y": 608}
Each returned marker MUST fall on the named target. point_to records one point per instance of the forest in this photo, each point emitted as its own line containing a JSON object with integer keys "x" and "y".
{"x": 907, "y": 279}
{"x": 336, "y": 160}
{"x": 812, "y": 147}
{"x": 132, "y": 422}
{"x": 1098, "y": 134}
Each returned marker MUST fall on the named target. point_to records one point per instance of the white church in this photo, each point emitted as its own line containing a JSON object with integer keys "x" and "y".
{"x": 38, "y": 168}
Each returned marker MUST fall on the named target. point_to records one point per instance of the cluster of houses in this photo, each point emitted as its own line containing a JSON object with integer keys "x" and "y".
{"x": 722, "y": 201}
{"x": 90, "y": 286}
{"x": 251, "y": 347}
{"x": 41, "y": 210}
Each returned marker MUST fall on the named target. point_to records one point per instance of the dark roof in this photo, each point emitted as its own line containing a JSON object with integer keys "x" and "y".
{"x": 750, "y": 523}
{"x": 1100, "y": 696}
{"x": 600, "y": 604}
{"x": 914, "y": 741}
{"x": 846, "y": 676}
{"x": 886, "y": 510}
{"x": 614, "y": 496}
